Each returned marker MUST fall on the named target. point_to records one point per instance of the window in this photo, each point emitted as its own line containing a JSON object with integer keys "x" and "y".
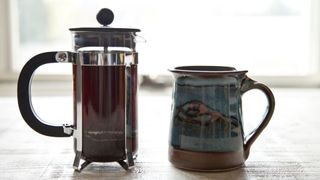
{"x": 274, "y": 39}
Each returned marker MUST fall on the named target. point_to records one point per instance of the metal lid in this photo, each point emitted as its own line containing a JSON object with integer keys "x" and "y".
{"x": 105, "y": 18}
{"x": 105, "y": 35}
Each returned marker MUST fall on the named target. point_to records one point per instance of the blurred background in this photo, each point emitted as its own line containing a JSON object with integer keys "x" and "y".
{"x": 276, "y": 40}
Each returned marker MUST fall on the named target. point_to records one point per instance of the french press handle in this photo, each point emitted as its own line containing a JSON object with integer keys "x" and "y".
{"x": 24, "y": 94}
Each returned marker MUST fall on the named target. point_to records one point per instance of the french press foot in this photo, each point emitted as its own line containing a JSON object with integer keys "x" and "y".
{"x": 78, "y": 166}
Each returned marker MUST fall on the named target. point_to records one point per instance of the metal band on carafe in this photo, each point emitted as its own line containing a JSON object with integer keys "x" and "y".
{"x": 113, "y": 58}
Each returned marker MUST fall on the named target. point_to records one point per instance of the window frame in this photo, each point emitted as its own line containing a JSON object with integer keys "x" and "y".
{"x": 5, "y": 43}
{"x": 9, "y": 42}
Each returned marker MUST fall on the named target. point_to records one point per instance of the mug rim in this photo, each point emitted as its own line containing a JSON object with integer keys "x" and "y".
{"x": 206, "y": 70}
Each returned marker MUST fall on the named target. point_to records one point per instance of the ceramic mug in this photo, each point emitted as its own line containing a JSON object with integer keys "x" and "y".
{"x": 206, "y": 119}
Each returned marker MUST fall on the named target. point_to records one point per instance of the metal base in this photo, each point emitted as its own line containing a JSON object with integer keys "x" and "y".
{"x": 78, "y": 166}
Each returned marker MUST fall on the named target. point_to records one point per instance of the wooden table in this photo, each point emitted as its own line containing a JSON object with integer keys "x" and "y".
{"x": 288, "y": 149}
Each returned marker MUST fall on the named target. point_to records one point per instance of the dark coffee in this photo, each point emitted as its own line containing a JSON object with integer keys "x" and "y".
{"x": 103, "y": 112}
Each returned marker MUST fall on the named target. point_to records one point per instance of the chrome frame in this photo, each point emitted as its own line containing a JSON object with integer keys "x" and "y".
{"x": 78, "y": 130}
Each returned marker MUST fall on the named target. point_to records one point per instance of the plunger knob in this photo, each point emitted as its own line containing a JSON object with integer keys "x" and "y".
{"x": 105, "y": 16}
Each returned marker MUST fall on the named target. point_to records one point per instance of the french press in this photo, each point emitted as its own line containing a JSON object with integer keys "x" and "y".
{"x": 104, "y": 92}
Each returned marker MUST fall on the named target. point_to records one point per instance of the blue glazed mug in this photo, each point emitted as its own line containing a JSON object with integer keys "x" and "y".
{"x": 206, "y": 119}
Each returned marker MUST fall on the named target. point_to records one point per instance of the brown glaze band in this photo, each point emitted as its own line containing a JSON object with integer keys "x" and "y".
{"x": 203, "y": 161}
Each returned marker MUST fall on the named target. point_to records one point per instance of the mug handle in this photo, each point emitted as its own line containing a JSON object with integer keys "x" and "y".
{"x": 249, "y": 84}
{"x": 24, "y": 94}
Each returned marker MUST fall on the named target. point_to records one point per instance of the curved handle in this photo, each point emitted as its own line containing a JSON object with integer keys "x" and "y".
{"x": 24, "y": 98}
{"x": 247, "y": 85}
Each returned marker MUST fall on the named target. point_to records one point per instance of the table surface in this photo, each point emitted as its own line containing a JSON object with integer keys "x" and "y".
{"x": 289, "y": 148}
